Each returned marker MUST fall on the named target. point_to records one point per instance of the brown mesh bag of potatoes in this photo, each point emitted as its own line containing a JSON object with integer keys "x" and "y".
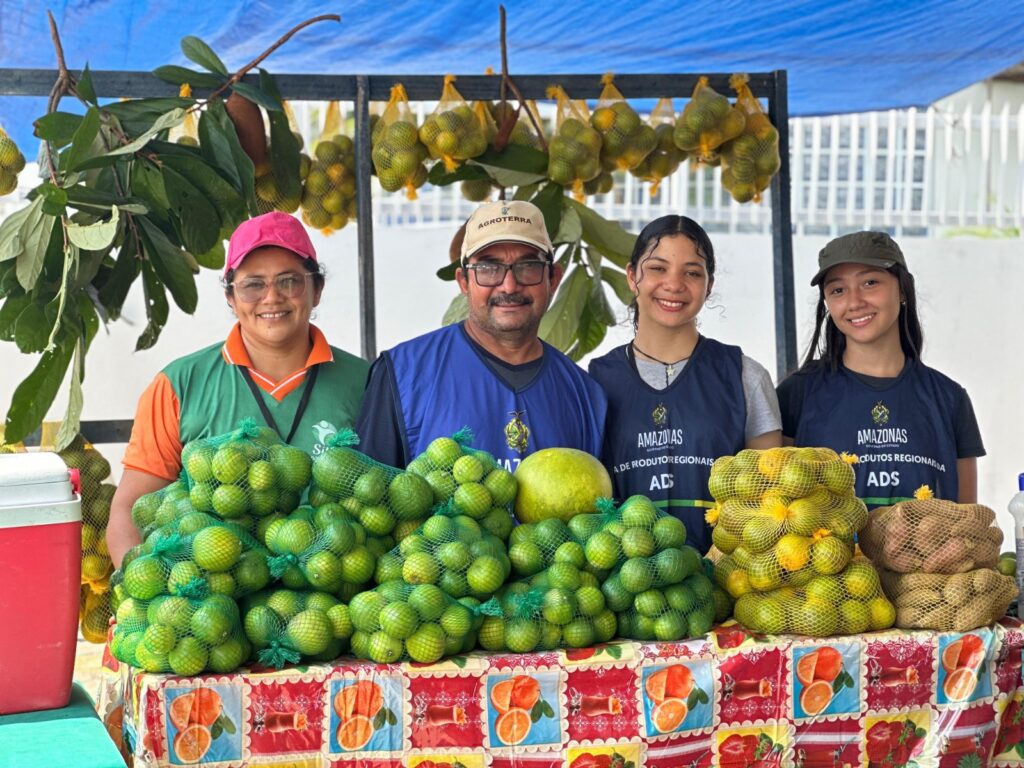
{"x": 707, "y": 122}
{"x": 398, "y": 153}
{"x": 452, "y": 133}
{"x": 664, "y": 160}
{"x": 625, "y": 139}
{"x": 574, "y": 156}
{"x": 932, "y": 536}
{"x": 948, "y": 603}
{"x": 751, "y": 159}
{"x": 329, "y": 191}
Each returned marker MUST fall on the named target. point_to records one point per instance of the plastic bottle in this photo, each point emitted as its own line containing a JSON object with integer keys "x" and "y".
{"x": 1017, "y": 510}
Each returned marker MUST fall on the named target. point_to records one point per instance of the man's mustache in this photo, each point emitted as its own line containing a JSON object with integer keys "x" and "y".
{"x": 509, "y": 299}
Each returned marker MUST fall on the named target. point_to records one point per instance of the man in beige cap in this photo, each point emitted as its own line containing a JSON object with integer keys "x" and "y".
{"x": 491, "y": 373}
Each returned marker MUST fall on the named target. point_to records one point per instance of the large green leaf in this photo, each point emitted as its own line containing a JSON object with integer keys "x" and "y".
{"x": 164, "y": 122}
{"x": 32, "y": 328}
{"x": 607, "y": 236}
{"x": 549, "y": 200}
{"x": 36, "y": 235}
{"x": 82, "y": 141}
{"x": 590, "y": 334}
{"x": 257, "y": 96}
{"x": 95, "y": 237}
{"x": 570, "y": 229}
{"x": 202, "y": 54}
{"x": 214, "y": 258}
{"x": 89, "y": 318}
{"x": 439, "y": 177}
{"x": 172, "y": 265}
{"x": 16, "y": 228}
{"x": 57, "y": 127}
{"x": 156, "y": 308}
{"x": 515, "y": 158}
{"x": 284, "y": 147}
{"x": 617, "y": 281}
{"x": 457, "y": 311}
{"x": 219, "y": 144}
{"x": 34, "y": 396}
{"x": 119, "y": 279}
{"x": 70, "y": 425}
{"x": 84, "y": 86}
{"x": 561, "y": 321}
{"x": 182, "y": 75}
{"x": 137, "y": 115}
{"x": 227, "y": 201}
{"x": 196, "y": 218}
{"x": 597, "y": 303}
{"x": 11, "y": 310}
{"x": 148, "y": 184}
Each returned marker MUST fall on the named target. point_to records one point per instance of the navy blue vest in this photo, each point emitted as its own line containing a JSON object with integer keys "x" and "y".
{"x": 661, "y": 443}
{"x": 903, "y": 434}
{"x": 444, "y": 385}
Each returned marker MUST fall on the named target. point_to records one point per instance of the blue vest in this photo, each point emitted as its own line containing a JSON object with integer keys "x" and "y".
{"x": 444, "y": 384}
{"x": 661, "y": 443}
{"x": 903, "y": 434}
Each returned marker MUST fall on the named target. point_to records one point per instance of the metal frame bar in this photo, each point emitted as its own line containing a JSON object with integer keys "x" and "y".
{"x": 362, "y": 89}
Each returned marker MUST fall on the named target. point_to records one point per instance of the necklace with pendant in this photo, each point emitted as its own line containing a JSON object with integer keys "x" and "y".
{"x": 670, "y": 368}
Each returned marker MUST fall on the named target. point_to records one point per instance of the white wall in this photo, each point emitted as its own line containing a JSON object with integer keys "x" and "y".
{"x": 968, "y": 294}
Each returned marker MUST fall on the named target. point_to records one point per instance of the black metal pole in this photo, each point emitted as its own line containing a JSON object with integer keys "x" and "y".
{"x": 364, "y": 214}
{"x": 782, "y": 235}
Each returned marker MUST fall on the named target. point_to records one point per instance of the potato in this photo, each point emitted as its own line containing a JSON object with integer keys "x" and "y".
{"x": 940, "y": 617}
{"x": 950, "y": 557}
{"x": 908, "y": 616}
{"x": 930, "y": 529}
{"x": 993, "y": 535}
{"x": 975, "y": 614}
{"x": 922, "y": 597}
{"x": 984, "y": 581}
{"x": 985, "y": 554}
{"x": 957, "y": 591}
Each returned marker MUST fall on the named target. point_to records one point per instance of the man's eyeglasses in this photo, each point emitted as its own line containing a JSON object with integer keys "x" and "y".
{"x": 253, "y": 289}
{"x": 492, "y": 273}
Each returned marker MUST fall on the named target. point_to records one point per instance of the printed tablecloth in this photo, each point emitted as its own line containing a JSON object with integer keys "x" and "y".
{"x": 731, "y": 699}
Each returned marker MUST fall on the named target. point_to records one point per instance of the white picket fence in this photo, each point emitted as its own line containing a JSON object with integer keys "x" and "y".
{"x": 911, "y": 172}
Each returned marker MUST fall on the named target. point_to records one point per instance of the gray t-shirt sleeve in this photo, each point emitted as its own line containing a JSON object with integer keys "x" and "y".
{"x": 762, "y": 403}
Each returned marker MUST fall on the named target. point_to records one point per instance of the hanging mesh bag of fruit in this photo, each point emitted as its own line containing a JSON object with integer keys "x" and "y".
{"x": 480, "y": 189}
{"x": 850, "y": 602}
{"x": 329, "y": 189}
{"x": 162, "y": 507}
{"x": 270, "y": 188}
{"x": 625, "y": 139}
{"x": 452, "y": 133}
{"x": 524, "y": 131}
{"x": 930, "y": 535}
{"x": 285, "y": 626}
{"x": 452, "y": 551}
{"x": 751, "y": 159}
{"x": 664, "y": 160}
{"x": 676, "y": 603}
{"x": 397, "y": 621}
{"x": 398, "y": 153}
{"x": 574, "y": 155}
{"x": 949, "y": 602}
{"x": 246, "y": 473}
{"x": 707, "y": 122}
{"x": 12, "y": 162}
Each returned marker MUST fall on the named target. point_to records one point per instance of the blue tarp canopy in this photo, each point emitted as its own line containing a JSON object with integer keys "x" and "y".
{"x": 841, "y": 56}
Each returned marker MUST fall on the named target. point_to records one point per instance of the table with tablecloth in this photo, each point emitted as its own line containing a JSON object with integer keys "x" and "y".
{"x": 731, "y": 698}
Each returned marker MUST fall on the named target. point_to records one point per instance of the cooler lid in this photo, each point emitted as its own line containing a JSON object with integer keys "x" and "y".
{"x": 33, "y": 478}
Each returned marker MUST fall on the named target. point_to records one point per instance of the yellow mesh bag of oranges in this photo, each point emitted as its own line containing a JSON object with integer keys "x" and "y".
{"x": 329, "y": 189}
{"x": 932, "y": 536}
{"x": 946, "y": 603}
{"x": 751, "y": 159}
{"x": 12, "y": 162}
{"x": 574, "y": 155}
{"x": 625, "y": 139}
{"x": 665, "y": 158}
{"x": 398, "y": 154}
{"x": 453, "y": 133}
{"x": 707, "y": 122}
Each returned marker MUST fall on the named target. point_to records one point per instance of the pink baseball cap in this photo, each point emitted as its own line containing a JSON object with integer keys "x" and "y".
{"x": 274, "y": 228}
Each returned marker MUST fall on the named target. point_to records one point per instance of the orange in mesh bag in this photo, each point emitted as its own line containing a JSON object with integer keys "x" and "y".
{"x": 946, "y": 603}
{"x": 11, "y": 163}
{"x": 663, "y": 161}
{"x": 751, "y": 159}
{"x": 932, "y": 536}
{"x": 708, "y": 121}
{"x": 523, "y": 132}
{"x": 575, "y": 151}
{"x": 625, "y": 139}
{"x": 329, "y": 192}
{"x": 398, "y": 153}
{"x": 479, "y": 190}
{"x": 453, "y": 133}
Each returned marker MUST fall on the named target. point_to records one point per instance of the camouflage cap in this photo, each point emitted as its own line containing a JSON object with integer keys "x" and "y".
{"x": 875, "y": 249}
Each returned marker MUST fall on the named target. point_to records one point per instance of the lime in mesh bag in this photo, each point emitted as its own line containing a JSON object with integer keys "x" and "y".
{"x": 751, "y": 159}
{"x": 625, "y": 139}
{"x": 398, "y": 153}
{"x": 847, "y": 603}
{"x": 707, "y": 121}
{"x": 452, "y": 551}
{"x": 397, "y": 621}
{"x": 575, "y": 149}
{"x": 287, "y": 626}
{"x": 949, "y": 602}
{"x": 672, "y": 608}
{"x": 248, "y": 471}
{"x": 329, "y": 192}
{"x": 663, "y": 161}
{"x": 162, "y": 507}
{"x": 453, "y": 133}
{"x": 929, "y": 535}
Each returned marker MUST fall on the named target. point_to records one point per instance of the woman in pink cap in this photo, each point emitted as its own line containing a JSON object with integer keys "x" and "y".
{"x": 275, "y": 367}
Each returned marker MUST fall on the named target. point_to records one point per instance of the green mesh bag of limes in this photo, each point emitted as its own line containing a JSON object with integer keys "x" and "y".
{"x": 176, "y": 594}
{"x": 666, "y": 157}
{"x": 751, "y": 159}
{"x": 574, "y": 155}
{"x": 397, "y": 152}
{"x": 625, "y": 139}
{"x": 162, "y": 507}
{"x": 453, "y": 132}
{"x": 397, "y": 621}
{"x": 247, "y": 473}
{"x": 707, "y": 122}
{"x": 329, "y": 189}
{"x": 287, "y": 626}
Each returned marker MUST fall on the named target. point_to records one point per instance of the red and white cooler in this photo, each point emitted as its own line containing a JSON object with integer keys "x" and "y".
{"x": 40, "y": 577}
